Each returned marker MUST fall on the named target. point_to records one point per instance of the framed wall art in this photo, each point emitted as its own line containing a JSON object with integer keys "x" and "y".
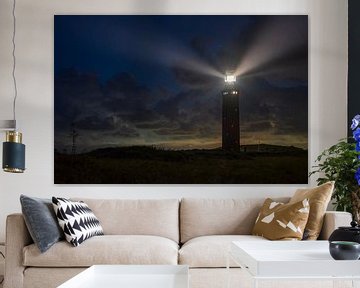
{"x": 181, "y": 99}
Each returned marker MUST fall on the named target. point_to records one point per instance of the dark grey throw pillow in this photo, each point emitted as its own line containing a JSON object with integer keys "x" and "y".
{"x": 41, "y": 221}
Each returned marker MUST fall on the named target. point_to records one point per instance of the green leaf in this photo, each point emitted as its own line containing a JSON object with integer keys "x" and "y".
{"x": 338, "y": 163}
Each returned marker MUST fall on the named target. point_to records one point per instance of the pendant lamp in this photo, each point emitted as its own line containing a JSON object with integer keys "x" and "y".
{"x": 13, "y": 160}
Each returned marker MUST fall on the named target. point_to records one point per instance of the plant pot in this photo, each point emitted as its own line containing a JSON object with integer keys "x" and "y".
{"x": 350, "y": 234}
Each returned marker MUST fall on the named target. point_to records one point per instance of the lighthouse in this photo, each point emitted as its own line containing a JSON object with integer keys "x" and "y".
{"x": 230, "y": 115}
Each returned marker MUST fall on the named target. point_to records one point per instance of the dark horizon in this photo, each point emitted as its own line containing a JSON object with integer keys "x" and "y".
{"x": 248, "y": 148}
{"x": 157, "y": 80}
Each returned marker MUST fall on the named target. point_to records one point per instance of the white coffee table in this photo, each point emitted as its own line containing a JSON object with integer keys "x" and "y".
{"x": 131, "y": 276}
{"x": 292, "y": 260}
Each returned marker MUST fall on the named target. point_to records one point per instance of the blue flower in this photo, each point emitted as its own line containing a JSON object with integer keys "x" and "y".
{"x": 357, "y": 176}
{"x": 356, "y": 134}
{"x": 357, "y": 147}
{"x": 355, "y": 122}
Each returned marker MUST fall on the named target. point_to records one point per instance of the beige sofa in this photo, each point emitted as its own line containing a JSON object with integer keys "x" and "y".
{"x": 194, "y": 232}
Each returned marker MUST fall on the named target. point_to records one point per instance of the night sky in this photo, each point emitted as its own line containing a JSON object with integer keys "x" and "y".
{"x": 157, "y": 80}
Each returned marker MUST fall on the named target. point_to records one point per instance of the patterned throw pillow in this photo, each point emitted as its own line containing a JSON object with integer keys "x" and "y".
{"x": 319, "y": 198}
{"x": 279, "y": 221}
{"x": 77, "y": 220}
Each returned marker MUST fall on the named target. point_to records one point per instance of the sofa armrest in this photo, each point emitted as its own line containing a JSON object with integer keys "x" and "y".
{"x": 333, "y": 220}
{"x": 17, "y": 237}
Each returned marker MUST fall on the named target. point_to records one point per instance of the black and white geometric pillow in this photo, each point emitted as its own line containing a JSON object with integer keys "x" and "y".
{"x": 77, "y": 220}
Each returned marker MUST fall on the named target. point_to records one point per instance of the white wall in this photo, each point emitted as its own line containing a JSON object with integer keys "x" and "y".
{"x": 327, "y": 105}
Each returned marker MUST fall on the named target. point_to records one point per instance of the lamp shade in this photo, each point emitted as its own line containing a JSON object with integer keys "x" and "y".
{"x": 13, "y": 153}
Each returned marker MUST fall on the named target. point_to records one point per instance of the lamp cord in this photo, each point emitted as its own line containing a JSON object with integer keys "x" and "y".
{"x": 14, "y": 61}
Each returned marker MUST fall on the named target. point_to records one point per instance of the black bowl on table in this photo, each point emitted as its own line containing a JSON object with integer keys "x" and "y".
{"x": 344, "y": 250}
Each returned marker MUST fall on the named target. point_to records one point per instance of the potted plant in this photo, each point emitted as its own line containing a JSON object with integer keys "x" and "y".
{"x": 341, "y": 163}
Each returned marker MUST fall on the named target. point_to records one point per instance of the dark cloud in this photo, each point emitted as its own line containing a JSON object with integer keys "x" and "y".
{"x": 76, "y": 95}
{"x": 165, "y": 123}
{"x": 192, "y": 79}
{"x": 264, "y": 106}
{"x": 258, "y": 126}
{"x": 95, "y": 123}
{"x": 123, "y": 131}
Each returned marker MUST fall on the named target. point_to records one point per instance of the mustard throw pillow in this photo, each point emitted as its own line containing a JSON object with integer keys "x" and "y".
{"x": 319, "y": 198}
{"x": 279, "y": 221}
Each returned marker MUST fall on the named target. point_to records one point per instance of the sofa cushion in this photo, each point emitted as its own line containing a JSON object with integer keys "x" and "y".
{"x": 107, "y": 249}
{"x": 319, "y": 198}
{"x": 158, "y": 217}
{"x": 200, "y": 217}
{"x": 76, "y": 220}
{"x": 35, "y": 277}
{"x": 279, "y": 221}
{"x": 211, "y": 251}
{"x": 41, "y": 221}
